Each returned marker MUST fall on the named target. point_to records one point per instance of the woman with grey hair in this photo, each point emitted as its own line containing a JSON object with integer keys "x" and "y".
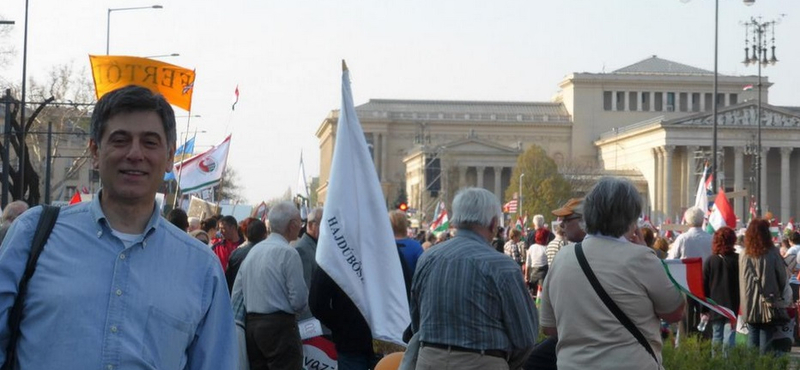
{"x": 626, "y": 270}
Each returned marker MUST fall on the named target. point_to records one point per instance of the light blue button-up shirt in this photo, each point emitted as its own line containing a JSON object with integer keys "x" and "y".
{"x": 162, "y": 303}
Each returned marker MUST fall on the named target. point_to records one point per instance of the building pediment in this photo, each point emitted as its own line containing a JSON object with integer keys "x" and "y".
{"x": 474, "y": 145}
{"x": 744, "y": 114}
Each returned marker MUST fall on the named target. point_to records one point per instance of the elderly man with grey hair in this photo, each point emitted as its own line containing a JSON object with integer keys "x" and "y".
{"x": 271, "y": 280}
{"x": 12, "y": 211}
{"x": 469, "y": 305}
{"x": 695, "y": 242}
{"x": 307, "y": 245}
{"x": 589, "y": 335}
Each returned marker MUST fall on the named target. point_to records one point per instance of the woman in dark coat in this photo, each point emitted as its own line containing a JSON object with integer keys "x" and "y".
{"x": 721, "y": 283}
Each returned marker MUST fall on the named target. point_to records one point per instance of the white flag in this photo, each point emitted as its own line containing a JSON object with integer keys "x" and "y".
{"x": 701, "y": 198}
{"x": 203, "y": 170}
{"x": 356, "y": 246}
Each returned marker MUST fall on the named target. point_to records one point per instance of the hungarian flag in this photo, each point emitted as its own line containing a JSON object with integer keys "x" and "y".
{"x": 519, "y": 225}
{"x": 789, "y": 226}
{"x": 440, "y": 220}
{"x": 747, "y": 87}
{"x": 111, "y": 72}
{"x": 722, "y": 212}
{"x": 687, "y": 275}
{"x": 203, "y": 170}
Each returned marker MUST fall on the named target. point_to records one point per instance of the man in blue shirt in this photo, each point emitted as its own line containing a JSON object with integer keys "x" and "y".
{"x": 469, "y": 305}
{"x": 117, "y": 286}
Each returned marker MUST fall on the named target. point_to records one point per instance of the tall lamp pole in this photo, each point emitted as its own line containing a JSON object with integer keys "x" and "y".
{"x": 519, "y": 200}
{"x": 108, "y": 19}
{"x": 759, "y": 57}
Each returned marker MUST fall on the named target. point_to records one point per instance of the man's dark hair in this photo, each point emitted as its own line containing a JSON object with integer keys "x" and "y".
{"x": 795, "y": 238}
{"x": 132, "y": 99}
{"x": 208, "y": 224}
{"x": 256, "y": 231}
{"x": 229, "y": 220}
{"x": 179, "y": 218}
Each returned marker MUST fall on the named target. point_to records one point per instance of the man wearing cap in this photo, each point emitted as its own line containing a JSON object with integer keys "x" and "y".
{"x": 571, "y": 217}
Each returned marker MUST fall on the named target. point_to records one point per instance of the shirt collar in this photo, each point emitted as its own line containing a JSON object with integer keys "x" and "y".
{"x": 98, "y": 216}
{"x": 469, "y": 234}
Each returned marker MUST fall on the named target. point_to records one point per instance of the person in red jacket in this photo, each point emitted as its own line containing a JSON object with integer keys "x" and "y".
{"x": 231, "y": 239}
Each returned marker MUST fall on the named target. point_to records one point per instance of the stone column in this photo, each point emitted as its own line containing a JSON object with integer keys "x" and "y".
{"x": 462, "y": 176}
{"x": 639, "y": 101}
{"x": 691, "y": 186}
{"x": 738, "y": 181}
{"x": 384, "y": 165}
{"x": 613, "y": 100}
{"x": 763, "y": 164}
{"x": 657, "y": 179}
{"x": 786, "y": 201}
{"x": 668, "y": 151}
{"x": 498, "y": 172}
{"x": 479, "y": 173}
{"x": 664, "y": 101}
{"x": 627, "y": 101}
{"x": 702, "y": 102}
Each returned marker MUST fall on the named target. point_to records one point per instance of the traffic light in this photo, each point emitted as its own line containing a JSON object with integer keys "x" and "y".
{"x": 402, "y": 206}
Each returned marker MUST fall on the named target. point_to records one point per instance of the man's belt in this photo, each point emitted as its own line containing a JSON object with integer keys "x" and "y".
{"x": 486, "y": 352}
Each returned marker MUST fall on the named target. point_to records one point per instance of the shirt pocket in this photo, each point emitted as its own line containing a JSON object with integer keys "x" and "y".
{"x": 166, "y": 339}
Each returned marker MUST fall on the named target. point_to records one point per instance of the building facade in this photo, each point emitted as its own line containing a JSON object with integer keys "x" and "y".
{"x": 650, "y": 120}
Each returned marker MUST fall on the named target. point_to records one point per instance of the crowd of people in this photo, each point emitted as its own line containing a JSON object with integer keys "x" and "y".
{"x": 118, "y": 286}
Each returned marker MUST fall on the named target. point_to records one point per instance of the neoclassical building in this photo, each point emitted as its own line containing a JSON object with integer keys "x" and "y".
{"x": 649, "y": 121}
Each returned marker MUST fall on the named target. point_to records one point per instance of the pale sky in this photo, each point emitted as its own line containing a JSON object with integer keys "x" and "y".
{"x": 286, "y": 56}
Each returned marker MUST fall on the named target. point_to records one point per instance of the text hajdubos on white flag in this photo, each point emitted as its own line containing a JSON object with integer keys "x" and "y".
{"x": 203, "y": 170}
{"x": 356, "y": 247}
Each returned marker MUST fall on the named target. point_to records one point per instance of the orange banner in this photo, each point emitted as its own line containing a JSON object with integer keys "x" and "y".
{"x": 111, "y": 72}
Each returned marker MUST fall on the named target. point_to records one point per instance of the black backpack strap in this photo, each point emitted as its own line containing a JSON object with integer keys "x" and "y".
{"x": 626, "y": 322}
{"x": 46, "y": 222}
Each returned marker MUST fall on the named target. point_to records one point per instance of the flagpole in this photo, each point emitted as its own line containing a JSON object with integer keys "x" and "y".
{"x": 180, "y": 170}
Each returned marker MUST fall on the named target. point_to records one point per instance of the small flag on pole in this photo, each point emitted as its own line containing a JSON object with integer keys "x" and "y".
{"x": 235, "y": 98}
{"x": 747, "y": 87}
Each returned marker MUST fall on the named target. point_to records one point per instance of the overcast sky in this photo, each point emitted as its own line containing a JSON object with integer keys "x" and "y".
{"x": 286, "y": 56}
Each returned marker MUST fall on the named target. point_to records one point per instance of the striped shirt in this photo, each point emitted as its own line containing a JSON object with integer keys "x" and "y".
{"x": 553, "y": 247}
{"x": 466, "y": 294}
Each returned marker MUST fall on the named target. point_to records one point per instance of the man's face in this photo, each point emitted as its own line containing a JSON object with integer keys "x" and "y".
{"x": 132, "y": 157}
{"x": 228, "y": 232}
{"x": 312, "y": 228}
{"x": 295, "y": 225}
{"x": 572, "y": 228}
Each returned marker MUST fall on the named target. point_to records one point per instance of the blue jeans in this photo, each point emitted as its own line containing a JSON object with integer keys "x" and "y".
{"x": 721, "y": 334}
{"x": 760, "y": 335}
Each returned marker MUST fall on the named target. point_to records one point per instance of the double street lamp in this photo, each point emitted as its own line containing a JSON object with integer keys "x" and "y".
{"x": 759, "y": 57}
{"x": 108, "y": 19}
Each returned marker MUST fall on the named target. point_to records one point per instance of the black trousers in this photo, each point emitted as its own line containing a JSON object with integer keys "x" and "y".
{"x": 273, "y": 342}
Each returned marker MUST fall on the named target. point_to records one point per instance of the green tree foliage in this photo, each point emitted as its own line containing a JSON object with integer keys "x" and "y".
{"x": 543, "y": 188}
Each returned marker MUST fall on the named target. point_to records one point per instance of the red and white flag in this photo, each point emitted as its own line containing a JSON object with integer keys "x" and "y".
{"x": 722, "y": 212}
{"x": 235, "y": 98}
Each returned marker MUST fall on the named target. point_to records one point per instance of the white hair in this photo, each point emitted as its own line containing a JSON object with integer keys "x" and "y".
{"x": 474, "y": 207}
{"x": 538, "y": 221}
{"x": 694, "y": 216}
{"x": 280, "y": 215}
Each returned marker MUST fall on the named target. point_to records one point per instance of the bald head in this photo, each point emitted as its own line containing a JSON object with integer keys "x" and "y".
{"x": 13, "y": 210}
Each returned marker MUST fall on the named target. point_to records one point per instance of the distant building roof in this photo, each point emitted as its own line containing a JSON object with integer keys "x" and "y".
{"x": 658, "y": 66}
{"x": 792, "y": 109}
{"x": 476, "y": 110}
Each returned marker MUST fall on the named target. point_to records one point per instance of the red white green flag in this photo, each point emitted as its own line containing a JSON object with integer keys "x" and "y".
{"x": 440, "y": 220}
{"x": 687, "y": 275}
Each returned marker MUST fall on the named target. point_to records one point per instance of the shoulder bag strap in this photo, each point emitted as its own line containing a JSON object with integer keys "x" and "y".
{"x": 43, "y": 229}
{"x": 626, "y": 322}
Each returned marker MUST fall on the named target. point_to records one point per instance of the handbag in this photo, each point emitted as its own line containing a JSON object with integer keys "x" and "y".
{"x": 626, "y": 322}
{"x": 46, "y": 222}
{"x": 770, "y": 313}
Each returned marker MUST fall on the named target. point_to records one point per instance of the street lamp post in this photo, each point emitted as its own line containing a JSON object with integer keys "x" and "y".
{"x": 519, "y": 200}
{"x": 759, "y": 57}
{"x": 108, "y": 19}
